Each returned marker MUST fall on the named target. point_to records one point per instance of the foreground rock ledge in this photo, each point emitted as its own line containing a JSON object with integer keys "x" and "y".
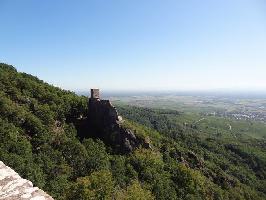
{"x": 13, "y": 187}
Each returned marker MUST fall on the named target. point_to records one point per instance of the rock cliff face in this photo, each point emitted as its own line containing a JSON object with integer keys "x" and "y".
{"x": 103, "y": 119}
{"x": 13, "y": 187}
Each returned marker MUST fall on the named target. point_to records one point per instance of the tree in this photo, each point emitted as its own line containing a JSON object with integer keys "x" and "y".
{"x": 99, "y": 185}
{"x": 134, "y": 192}
{"x": 97, "y": 159}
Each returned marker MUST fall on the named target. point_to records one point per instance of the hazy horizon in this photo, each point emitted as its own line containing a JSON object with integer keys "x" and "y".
{"x": 138, "y": 45}
{"x": 207, "y": 93}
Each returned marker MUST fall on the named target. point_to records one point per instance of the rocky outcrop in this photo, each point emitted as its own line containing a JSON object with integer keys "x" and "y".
{"x": 103, "y": 119}
{"x": 194, "y": 160}
{"x": 13, "y": 187}
{"x": 189, "y": 159}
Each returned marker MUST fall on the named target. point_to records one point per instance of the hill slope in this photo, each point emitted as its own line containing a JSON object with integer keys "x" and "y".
{"x": 38, "y": 139}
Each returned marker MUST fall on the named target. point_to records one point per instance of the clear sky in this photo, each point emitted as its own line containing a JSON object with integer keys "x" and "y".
{"x": 137, "y": 44}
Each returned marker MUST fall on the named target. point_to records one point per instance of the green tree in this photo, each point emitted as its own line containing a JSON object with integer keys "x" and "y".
{"x": 98, "y": 158}
{"x": 134, "y": 192}
{"x": 99, "y": 185}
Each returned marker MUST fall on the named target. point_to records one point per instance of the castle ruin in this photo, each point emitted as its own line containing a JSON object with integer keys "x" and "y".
{"x": 102, "y": 111}
{"x": 105, "y": 123}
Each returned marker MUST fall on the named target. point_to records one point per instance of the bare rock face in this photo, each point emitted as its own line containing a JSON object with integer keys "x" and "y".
{"x": 13, "y": 187}
{"x": 195, "y": 161}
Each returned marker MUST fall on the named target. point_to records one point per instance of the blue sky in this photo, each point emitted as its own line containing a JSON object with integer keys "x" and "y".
{"x": 137, "y": 44}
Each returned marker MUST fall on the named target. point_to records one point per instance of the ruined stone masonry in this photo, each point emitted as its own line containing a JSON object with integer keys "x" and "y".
{"x": 104, "y": 120}
{"x": 102, "y": 112}
{"x": 13, "y": 187}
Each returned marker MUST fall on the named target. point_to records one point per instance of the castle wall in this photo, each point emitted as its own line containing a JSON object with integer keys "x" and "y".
{"x": 13, "y": 187}
{"x": 102, "y": 111}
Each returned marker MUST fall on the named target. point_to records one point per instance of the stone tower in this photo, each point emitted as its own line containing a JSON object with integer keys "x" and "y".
{"x": 95, "y": 93}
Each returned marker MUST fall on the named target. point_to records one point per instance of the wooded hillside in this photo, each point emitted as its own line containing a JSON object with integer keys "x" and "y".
{"x": 39, "y": 140}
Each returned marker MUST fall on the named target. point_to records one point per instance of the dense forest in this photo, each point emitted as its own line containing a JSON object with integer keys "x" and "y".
{"x": 39, "y": 139}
